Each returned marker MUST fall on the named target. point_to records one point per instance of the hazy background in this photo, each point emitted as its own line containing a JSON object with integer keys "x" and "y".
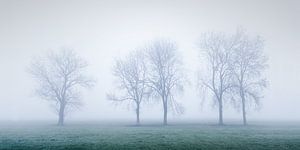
{"x": 103, "y": 30}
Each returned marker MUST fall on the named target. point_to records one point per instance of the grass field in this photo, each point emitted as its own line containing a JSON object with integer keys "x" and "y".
{"x": 181, "y": 136}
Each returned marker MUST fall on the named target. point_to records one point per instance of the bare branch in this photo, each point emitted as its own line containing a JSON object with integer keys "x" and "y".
{"x": 60, "y": 76}
{"x": 165, "y": 77}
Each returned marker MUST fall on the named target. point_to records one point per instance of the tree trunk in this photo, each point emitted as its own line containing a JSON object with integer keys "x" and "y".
{"x": 165, "y": 112}
{"x": 61, "y": 115}
{"x": 244, "y": 110}
{"x": 138, "y": 114}
{"x": 221, "y": 112}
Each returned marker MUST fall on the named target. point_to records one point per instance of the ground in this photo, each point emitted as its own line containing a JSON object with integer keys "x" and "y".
{"x": 174, "y": 136}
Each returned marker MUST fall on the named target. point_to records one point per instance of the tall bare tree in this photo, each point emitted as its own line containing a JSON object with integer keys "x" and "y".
{"x": 248, "y": 64}
{"x": 132, "y": 75}
{"x": 60, "y": 76}
{"x": 217, "y": 49}
{"x": 166, "y": 74}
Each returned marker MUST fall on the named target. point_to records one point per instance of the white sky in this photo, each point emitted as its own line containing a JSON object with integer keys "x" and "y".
{"x": 105, "y": 29}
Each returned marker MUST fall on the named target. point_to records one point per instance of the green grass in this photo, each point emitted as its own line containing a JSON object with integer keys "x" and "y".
{"x": 96, "y": 136}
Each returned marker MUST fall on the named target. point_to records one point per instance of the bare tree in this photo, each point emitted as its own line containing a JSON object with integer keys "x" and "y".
{"x": 248, "y": 64}
{"x": 132, "y": 74}
{"x": 216, "y": 49}
{"x": 165, "y": 75}
{"x": 60, "y": 76}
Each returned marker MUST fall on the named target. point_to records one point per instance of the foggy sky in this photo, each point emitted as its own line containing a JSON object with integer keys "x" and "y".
{"x": 103, "y": 30}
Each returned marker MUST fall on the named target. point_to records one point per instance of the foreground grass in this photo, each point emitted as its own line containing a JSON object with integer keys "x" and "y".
{"x": 149, "y": 137}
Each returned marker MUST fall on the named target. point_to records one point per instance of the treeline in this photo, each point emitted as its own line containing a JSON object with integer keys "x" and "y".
{"x": 232, "y": 70}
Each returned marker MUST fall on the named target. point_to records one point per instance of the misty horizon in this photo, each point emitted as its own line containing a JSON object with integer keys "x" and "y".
{"x": 103, "y": 31}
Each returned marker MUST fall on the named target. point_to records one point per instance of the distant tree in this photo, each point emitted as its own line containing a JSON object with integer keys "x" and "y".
{"x": 217, "y": 49}
{"x": 165, "y": 74}
{"x": 248, "y": 64}
{"x": 132, "y": 75}
{"x": 60, "y": 76}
